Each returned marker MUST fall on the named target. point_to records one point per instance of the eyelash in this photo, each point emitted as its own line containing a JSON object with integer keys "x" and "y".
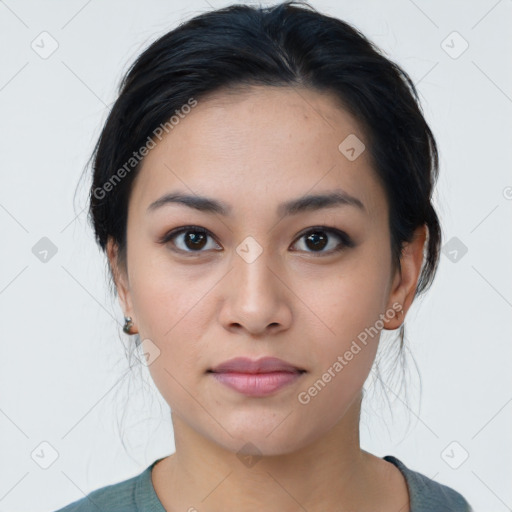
{"x": 346, "y": 241}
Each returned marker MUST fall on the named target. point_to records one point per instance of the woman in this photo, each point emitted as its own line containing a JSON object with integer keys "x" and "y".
{"x": 262, "y": 190}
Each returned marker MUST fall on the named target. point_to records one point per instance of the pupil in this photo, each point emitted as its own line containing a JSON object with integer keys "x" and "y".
{"x": 314, "y": 237}
{"x": 195, "y": 237}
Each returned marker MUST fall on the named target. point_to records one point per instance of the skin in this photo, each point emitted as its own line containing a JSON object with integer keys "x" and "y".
{"x": 254, "y": 150}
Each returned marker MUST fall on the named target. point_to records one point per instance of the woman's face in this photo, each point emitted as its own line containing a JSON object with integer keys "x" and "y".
{"x": 258, "y": 281}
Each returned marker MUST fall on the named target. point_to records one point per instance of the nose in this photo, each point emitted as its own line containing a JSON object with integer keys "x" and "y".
{"x": 256, "y": 297}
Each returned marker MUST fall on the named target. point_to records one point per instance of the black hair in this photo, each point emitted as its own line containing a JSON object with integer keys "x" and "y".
{"x": 289, "y": 44}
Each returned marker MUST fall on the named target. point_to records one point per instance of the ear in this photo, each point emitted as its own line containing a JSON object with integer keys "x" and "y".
{"x": 406, "y": 278}
{"x": 120, "y": 278}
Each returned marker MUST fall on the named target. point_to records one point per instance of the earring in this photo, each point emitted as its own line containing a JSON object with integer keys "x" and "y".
{"x": 128, "y": 324}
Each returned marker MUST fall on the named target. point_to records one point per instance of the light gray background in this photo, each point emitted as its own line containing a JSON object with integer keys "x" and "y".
{"x": 62, "y": 347}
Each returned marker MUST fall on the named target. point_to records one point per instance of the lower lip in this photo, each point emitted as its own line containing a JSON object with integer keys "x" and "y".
{"x": 257, "y": 384}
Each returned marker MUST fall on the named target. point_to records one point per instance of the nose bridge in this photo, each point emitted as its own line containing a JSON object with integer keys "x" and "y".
{"x": 252, "y": 262}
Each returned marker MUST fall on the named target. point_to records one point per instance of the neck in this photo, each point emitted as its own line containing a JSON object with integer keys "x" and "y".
{"x": 332, "y": 472}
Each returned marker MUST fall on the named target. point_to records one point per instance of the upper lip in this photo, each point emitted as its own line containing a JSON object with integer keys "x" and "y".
{"x": 262, "y": 365}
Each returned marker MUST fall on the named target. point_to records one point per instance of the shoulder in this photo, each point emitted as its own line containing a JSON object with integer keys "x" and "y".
{"x": 131, "y": 495}
{"x": 119, "y": 497}
{"x": 427, "y": 494}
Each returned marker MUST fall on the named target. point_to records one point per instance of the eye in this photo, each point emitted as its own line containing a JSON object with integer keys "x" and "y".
{"x": 194, "y": 240}
{"x": 319, "y": 237}
{"x": 316, "y": 238}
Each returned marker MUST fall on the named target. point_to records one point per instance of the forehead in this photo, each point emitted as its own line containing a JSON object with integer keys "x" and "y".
{"x": 263, "y": 143}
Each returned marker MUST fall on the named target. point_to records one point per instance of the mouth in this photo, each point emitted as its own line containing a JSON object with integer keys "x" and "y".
{"x": 257, "y": 384}
{"x": 258, "y": 378}
{"x": 257, "y": 372}
{"x": 262, "y": 365}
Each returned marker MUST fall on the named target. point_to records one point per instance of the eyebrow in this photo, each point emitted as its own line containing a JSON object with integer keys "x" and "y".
{"x": 292, "y": 207}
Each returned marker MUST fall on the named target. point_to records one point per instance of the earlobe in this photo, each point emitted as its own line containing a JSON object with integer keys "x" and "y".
{"x": 120, "y": 278}
{"x": 406, "y": 278}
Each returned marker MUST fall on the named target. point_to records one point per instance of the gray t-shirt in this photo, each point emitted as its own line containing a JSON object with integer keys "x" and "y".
{"x": 137, "y": 494}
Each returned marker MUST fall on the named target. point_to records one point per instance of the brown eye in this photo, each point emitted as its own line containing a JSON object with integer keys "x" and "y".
{"x": 317, "y": 239}
{"x": 194, "y": 239}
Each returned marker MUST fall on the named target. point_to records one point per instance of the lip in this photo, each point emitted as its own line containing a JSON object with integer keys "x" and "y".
{"x": 262, "y": 365}
{"x": 257, "y": 378}
{"x": 257, "y": 384}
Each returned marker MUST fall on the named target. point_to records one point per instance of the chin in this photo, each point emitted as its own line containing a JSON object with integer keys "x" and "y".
{"x": 253, "y": 440}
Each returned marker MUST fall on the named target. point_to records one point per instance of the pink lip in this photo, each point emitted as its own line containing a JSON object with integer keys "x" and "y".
{"x": 257, "y": 384}
{"x": 262, "y": 365}
{"x": 256, "y": 378}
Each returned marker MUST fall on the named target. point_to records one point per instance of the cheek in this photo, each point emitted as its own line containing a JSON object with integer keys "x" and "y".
{"x": 170, "y": 314}
{"x": 350, "y": 297}
{"x": 346, "y": 306}
{"x": 163, "y": 294}
{"x": 174, "y": 312}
